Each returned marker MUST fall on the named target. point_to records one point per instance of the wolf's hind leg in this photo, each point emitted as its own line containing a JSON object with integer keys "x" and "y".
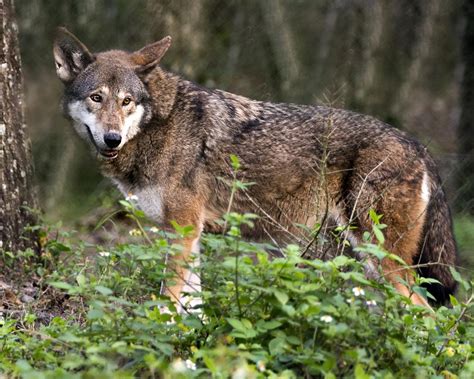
{"x": 405, "y": 215}
{"x": 395, "y": 274}
{"x": 402, "y": 202}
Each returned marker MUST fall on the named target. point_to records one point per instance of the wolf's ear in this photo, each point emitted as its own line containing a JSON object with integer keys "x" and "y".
{"x": 149, "y": 56}
{"x": 70, "y": 54}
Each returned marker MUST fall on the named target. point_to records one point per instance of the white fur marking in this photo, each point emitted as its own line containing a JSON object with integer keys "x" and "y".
{"x": 125, "y": 190}
{"x": 105, "y": 90}
{"x": 192, "y": 283}
{"x": 60, "y": 65}
{"x": 425, "y": 188}
{"x": 131, "y": 124}
{"x": 82, "y": 117}
{"x": 77, "y": 58}
{"x": 150, "y": 201}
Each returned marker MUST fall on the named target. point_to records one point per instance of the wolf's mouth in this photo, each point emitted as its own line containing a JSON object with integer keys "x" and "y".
{"x": 109, "y": 154}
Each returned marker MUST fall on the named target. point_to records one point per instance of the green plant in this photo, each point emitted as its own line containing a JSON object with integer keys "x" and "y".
{"x": 261, "y": 316}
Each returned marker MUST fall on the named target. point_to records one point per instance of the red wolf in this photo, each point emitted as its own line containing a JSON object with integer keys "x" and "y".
{"x": 168, "y": 141}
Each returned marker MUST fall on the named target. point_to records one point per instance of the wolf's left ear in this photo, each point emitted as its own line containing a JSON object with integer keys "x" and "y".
{"x": 149, "y": 56}
{"x": 70, "y": 54}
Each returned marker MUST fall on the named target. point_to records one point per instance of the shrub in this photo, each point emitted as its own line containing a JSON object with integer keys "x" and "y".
{"x": 283, "y": 318}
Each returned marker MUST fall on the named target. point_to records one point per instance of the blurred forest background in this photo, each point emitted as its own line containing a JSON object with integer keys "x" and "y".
{"x": 401, "y": 61}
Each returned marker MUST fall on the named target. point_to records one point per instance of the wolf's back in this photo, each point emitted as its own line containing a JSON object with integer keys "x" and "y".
{"x": 438, "y": 244}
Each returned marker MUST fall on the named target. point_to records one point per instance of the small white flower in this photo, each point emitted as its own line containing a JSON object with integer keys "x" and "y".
{"x": 179, "y": 366}
{"x": 261, "y": 366}
{"x": 135, "y": 232}
{"x": 371, "y": 303}
{"x": 357, "y": 291}
{"x": 104, "y": 253}
{"x": 241, "y": 373}
{"x": 131, "y": 197}
{"x": 190, "y": 364}
{"x": 154, "y": 229}
{"x": 326, "y": 318}
{"x": 350, "y": 300}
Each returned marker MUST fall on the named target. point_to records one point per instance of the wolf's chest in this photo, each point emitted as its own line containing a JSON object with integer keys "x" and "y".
{"x": 149, "y": 199}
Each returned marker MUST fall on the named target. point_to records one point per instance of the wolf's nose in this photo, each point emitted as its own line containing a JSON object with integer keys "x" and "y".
{"x": 112, "y": 139}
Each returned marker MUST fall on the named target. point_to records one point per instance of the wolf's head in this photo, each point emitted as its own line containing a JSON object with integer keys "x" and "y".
{"x": 104, "y": 94}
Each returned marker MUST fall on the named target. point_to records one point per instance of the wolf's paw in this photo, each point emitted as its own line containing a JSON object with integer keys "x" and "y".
{"x": 164, "y": 310}
{"x": 190, "y": 305}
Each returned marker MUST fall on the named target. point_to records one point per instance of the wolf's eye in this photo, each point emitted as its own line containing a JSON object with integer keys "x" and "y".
{"x": 96, "y": 98}
{"x": 126, "y": 101}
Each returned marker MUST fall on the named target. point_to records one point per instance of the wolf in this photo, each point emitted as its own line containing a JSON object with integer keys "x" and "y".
{"x": 168, "y": 141}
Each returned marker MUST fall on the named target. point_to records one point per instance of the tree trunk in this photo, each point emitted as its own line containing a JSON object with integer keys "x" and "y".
{"x": 281, "y": 38}
{"x": 465, "y": 198}
{"x": 16, "y": 171}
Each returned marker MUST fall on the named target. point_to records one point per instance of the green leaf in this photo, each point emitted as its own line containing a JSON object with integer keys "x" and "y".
{"x": 61, "y": 285}
{"x": 242, "y": 329}
{"x": 456, "y": 275}
{"x": 69, "y": 337}
{"x": 341, "y": 260}
{"x": 372, "y": 249}
{"x": 454, "y": 302}
{"x": 58, "y": 247}
{"x": 235, "y": 162}
{"x": 359, "y": 372}
{"x": 23, "y": 365}
{"x": 375, "y": 217}
{"x": 104, "y": 290}
{"x": 430, "y": 323}
{"x": 95, "y": 314}
{"x": 247, "y": 324}
{"x": 236, "y": 324}
{"x": 165, "y": 348}
{"x": 282, "y": 297}
{"x": 422, "y": 291}
{"x": 81, "y": 280}
{"x": 458, "y": 278}
{"x": 379, "y": 235}
{"x": 273, "y": 324}
{"x": 277, "y": 346}
{"x": 126, "y": 204}
{"x": 193, "y": 322}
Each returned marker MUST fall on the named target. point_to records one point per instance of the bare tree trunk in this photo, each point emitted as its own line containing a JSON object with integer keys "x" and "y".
{"x": 281, "y": 38}
{"x": 423, "y": 48}
{"x": 184, "y": 21}
{"x": 373, "y": 11}
{"x": 325, "y": 39}
{"x": 465, "y": 198}
{"x": 16, "y": 171}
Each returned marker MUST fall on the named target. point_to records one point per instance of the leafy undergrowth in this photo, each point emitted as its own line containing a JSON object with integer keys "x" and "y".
{"x": 285, "y": 317}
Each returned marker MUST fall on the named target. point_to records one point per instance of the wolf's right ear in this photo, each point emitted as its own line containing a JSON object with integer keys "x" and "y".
{"x": 70, "y": 54}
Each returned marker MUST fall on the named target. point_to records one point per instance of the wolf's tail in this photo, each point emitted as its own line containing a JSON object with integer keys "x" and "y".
{"x": 438, "y": 244}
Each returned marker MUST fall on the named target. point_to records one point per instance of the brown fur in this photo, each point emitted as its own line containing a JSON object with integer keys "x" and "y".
{"x": 308, "y": 164}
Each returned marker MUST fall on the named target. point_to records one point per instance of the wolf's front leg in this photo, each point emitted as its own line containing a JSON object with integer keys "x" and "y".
{"x": 185, "y": 278}
{"x": 183, "y": 265}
